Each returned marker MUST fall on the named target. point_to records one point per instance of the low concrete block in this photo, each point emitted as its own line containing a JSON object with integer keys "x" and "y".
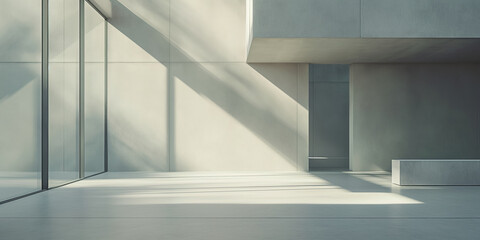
{"x": 436, "y": 172}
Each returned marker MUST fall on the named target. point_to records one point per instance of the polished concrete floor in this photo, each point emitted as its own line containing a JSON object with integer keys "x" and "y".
{"x": 283, "y": 205}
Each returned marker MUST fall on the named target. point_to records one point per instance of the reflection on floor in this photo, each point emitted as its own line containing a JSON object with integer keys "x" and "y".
{"x": 285, "y": 205}
{"x": 14, "y": 184}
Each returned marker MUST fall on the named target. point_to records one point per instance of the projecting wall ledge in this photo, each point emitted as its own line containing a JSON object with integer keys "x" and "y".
{"x": 366, "y": 18}
{"x": 436, "y": 172}
{"x": 367, "y": 31}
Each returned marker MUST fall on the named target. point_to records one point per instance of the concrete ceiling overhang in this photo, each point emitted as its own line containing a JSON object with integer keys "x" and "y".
{"x": 363, "y": 31}
{"x": 363, "y": 50}
{"x": 324, "y": 33}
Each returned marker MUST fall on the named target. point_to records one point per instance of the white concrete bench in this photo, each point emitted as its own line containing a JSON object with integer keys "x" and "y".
{"x": 436, "y": 172}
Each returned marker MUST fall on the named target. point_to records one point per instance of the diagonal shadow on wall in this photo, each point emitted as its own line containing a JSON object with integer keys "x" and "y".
{"x": 261, "y": 120}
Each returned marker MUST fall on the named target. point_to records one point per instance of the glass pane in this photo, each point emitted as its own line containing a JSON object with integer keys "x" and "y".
{"x": 63, "y": 91}
{"x": 20, "y": 97}
{"x": 94, "y": 91}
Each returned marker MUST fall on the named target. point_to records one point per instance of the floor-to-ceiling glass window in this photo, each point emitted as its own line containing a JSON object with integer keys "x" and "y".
{"x": 63, "y": 76}
{"x": 94, "y": 91}
{"x": 75, "y": 82}
{"x": 20, "y": 97}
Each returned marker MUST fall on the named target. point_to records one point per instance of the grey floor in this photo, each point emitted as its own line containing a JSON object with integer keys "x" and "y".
{"x": 329, "y": 205}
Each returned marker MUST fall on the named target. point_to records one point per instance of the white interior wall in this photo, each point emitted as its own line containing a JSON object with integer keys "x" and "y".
{"x": 182, "y": 98}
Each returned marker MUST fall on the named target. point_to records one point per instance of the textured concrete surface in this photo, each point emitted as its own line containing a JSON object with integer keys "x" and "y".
{"x": 221, "y": 124}
{"x": 182, "y": 97}
{"x": 436, "y": 172}
{"x": 303, "y": 110}
{"x": 306, "y": 18}
{"x": 139, "y": 31}
{"x": 207, "y": 30}
{"x": 413, "y": 111}
{"x": 366, "y": 18}
{"x": 137, "y": 117}
{"x": 420, "y": 19}
{"x": 353, "y": 31}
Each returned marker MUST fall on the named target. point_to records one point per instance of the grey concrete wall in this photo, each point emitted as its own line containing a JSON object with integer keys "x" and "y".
{"x": 413, "y": 111}
{"x": 366, "y": 18}
{"x": 420, "y": 19}
{"x": 182, "y": 97}
{"x": 367, "y": 31}
{"x": 306, "y": 18}
{"x": 329, "y": 121}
